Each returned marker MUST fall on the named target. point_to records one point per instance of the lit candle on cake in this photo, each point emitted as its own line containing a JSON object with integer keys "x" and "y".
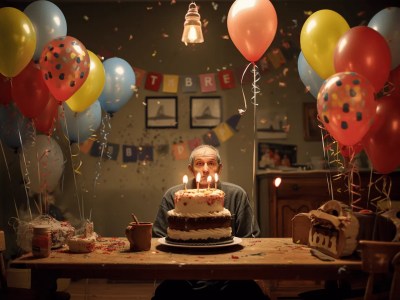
{"x": 185, "y": 180}
{"x": 215, "y": 180}
{"x": 209, "y": 179}
{"x": 198, "y": 178}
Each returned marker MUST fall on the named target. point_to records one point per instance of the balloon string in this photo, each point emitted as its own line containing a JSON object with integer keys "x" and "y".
{"x": 256, "y": 90}
{"x": 105, "y": 122}
{"x": 25, "y": 173}
{"x": 354, "y": 182}
{"x": 382, "y": 202}
{"x": 78, "y": 198}
{"x": 325, "y": 151}
{"x": 9, "y": 179}
{"x": 242, "y": 111}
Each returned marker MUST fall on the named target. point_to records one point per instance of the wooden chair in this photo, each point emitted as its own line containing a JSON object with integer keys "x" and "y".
{"x": 7, "y": 292}
{"x": 13, "y": 293}
{"x": 382, "y": 262}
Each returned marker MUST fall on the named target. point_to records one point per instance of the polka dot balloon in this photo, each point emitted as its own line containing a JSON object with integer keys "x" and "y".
{"x": 347, "y": 107}
{"x": 65, "y": 65}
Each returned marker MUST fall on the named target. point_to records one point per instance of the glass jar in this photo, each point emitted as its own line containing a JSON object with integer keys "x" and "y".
{"x": 41, "y": 241}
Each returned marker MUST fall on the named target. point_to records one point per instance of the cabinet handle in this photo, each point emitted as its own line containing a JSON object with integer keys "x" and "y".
{"x": 295, "y": 187}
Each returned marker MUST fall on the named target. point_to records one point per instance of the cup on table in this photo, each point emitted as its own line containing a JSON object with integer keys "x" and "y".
{"x": 139, "y": 235}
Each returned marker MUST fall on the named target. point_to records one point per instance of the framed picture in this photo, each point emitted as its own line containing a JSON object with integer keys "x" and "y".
{"x": 275, "y": 156}
{"x": 205, "y": 112}
{"x": 312, "y": 132}
{"x": 161, "y": 112}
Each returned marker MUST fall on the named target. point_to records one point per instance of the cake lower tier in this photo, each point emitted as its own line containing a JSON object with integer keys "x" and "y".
{"x": 188, "y": 224}
{"x": 200, "y": 236}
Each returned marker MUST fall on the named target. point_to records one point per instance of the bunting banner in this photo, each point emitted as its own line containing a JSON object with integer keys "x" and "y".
{"x": 129, "y": 153}
{"x": 223, "y": 132}
{"x": 226, "y": 79}
{"x": 190, "y": 84}
{"x": 170, "y": 83}
{"x": 207, "y": 83}
{"x": 180, "y": 149}
{"x": 153, "y": 81}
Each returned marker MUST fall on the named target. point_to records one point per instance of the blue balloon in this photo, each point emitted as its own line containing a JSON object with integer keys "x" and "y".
{"x": 308, "y": 76}
{"x": 387, "y": 23}
{"x": 49, "y": 23}
{"x": 119, "y": 85}
{"x": 14, "y": 126}
{"x": 78, "y": 127}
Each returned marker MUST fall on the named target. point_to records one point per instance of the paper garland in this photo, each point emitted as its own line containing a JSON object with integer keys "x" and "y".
{"x": 179, "y": 150}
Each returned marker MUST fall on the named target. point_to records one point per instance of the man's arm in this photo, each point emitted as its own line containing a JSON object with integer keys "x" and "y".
{"x": 161, "y": 222}
{"x": 244, "y": 222}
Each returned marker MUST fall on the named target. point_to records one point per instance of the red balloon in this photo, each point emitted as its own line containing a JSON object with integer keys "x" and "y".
{"x": 382, "y": 142}
{"x": 364, "y": 51}
{"x": 350, "y": 151}
{"x": 252, "y": 27}
{"x": 5, "y": 90}
{"x": 346, "y": 107}
{"x": 65, "y": 65}
{"x": 46, "y": 120}
{"x": 29, "y": 91}
{"x": 394, "y": 79}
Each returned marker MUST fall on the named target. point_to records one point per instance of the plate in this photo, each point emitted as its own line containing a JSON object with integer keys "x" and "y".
{"x": 235, "y": 241}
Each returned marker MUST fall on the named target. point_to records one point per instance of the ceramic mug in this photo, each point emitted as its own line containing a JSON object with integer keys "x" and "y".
{"x": 139, "y": 235}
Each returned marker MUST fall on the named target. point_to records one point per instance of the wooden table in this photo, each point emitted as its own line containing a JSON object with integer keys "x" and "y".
{"x": 253, "y": 258}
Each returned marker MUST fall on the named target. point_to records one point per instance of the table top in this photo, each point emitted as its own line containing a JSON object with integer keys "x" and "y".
{"x": 252, "y": 258}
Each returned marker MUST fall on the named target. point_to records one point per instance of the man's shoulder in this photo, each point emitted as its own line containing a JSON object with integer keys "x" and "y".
{"x": 173, "y": 189}
{"x": 231, "y": 187}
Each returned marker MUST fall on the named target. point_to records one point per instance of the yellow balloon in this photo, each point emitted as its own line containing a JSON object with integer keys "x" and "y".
{"x": 91, "y": 89}
{"x": 318, "y": 39}
{"x": 17, "y": 41}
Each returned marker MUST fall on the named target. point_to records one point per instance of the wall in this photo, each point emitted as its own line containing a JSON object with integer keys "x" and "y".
{"x": 147, "y": 35}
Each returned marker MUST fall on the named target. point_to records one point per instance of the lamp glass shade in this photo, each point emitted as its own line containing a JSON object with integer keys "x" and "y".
{"x": 192, "y": 32}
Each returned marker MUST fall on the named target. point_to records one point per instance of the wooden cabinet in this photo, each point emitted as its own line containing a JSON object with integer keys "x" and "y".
{"x": 307, "y": 190}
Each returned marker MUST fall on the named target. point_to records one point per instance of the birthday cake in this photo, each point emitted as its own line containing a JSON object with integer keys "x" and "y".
{"x": 199, "y": 216}
{"x": 85, "y": 242}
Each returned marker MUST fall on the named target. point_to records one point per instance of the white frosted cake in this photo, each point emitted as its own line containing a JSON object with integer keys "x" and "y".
{"x": 83, "y": 243}
{"x": 199, "y": 216}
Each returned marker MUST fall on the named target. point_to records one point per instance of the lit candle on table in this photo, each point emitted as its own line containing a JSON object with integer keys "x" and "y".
{"x": 185, "y": 180}
{"x": 215, "y": 180}
{"x": 198, "y": 178}
{"x": 209, "y": 179}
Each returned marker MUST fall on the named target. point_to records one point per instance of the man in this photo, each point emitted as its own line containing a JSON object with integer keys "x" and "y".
{"x": 206, "y": 160}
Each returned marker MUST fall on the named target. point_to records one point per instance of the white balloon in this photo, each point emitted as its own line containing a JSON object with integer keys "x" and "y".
{"x": 42, "y": 163}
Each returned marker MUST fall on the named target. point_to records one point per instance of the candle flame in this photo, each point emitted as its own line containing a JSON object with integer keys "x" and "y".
{"x": 277, "y": 181}
{"x": 185, "y": 179}
{"x": 198, "y": 177}
{"x": 216, "y": 177}
{"x": 209, "y": 178}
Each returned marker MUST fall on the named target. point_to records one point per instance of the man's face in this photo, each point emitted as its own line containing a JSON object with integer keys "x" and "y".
{"x": 205, "y": 163}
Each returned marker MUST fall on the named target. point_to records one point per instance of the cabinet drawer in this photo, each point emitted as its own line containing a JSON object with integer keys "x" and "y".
{"x": 309, "y": 187}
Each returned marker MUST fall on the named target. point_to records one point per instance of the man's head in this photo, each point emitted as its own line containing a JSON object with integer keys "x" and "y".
{"x": 205, "y": 159}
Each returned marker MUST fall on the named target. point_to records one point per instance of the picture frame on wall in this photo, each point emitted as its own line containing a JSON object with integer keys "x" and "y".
{"x": 312, "y": 131}
{"x": 276, "y": 156}
{"x": 161, "y": 112}
{"x": 205, "y": 112}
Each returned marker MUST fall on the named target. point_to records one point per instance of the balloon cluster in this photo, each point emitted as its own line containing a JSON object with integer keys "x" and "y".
{"x": 354, "y": 73}
{"x": 47, "y": 76}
